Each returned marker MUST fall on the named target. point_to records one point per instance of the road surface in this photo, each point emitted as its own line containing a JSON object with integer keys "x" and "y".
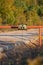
{"x": 26, "y": 36}
{"x": 20, "y": 35}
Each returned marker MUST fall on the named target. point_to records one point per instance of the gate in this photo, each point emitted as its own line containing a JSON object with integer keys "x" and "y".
{"x": 28, "y": 27}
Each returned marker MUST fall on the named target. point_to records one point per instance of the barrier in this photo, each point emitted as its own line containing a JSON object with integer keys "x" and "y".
{"x": 28, "y": 27}
{"x": 40, "y": 36}
{"x": 1, "y": 27}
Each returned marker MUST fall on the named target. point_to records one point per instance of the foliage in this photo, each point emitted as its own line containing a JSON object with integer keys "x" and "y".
{"x": 14, "y": 12}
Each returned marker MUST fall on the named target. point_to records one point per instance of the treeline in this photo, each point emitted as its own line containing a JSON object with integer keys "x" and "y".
{"x": 14, "y": 12}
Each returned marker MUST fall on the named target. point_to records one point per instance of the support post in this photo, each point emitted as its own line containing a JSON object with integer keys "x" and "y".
{"x": 40, "y": 39}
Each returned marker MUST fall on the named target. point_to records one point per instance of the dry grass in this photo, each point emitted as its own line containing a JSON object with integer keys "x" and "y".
{"x": 36, "y": 61}
{"x": 2, "y": 55}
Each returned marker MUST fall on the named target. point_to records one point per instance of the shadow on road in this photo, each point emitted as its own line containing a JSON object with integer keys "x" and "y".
{"x": 22, "y": 54}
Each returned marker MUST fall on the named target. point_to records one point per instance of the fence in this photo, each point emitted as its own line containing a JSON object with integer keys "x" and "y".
{"x": 28, "y": 27}
{"x": 40, "y": 36}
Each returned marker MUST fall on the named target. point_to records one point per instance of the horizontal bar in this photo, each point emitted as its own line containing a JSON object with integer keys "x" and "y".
{"x": 8, "y": 27}
{"x": 34, "y": 26}
{"x": 17, "y": 27}
{"x": 5, "y": 27}
{"x": 14, "y": 26}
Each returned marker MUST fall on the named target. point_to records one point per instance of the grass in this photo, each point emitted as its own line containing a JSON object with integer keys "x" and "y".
{"x": 36, "y": 61}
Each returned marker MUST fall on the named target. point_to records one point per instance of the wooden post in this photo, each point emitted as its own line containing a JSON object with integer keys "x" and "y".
{"x": 40, "y": 40}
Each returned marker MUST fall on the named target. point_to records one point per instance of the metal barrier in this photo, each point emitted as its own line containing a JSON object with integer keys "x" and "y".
{"x": 40, "y": 36}
{"x": 28, "y": 27}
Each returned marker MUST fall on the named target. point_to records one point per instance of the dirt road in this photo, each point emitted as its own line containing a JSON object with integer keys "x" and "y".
{"x": 20, "y": 35}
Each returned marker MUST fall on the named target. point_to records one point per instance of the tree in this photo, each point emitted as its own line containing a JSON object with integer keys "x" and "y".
{"x": 14, "y": 12}
{"x": 7, "y": 12}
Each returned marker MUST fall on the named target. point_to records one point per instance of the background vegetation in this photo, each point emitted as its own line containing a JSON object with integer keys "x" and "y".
{"x": 14, "y": 12}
